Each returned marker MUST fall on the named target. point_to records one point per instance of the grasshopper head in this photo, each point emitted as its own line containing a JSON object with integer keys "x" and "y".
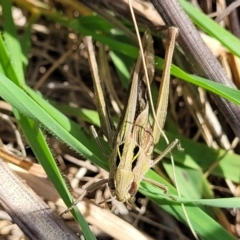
{"x": 124, "y": 187}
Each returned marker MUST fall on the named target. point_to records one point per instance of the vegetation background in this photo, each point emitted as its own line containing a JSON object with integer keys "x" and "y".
{"x": 47, "y": 105}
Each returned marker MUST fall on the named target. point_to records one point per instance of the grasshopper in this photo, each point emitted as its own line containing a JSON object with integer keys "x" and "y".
{"x": 136, "y": 137}
{"x": 132, "y": 143}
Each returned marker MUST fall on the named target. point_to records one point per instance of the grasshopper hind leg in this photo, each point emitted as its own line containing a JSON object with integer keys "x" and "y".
{"x": 172, "y": 145}
{"x": 160, "y": 185}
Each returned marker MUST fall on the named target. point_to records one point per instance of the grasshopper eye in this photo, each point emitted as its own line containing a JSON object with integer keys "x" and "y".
{"x": 133, "y": 189}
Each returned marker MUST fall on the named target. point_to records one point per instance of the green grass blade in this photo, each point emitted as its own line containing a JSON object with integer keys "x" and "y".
{"x": 204, "y": 225}
{"x": 21, "y": 101}
{"x": 231, "y": 42}
{"x": 12, "y": 66}
{"x": 11, "y": 40}
{"x": 24, "y": 104}
{"x": 227, "y": 165}
{"x": 88, "y": 26}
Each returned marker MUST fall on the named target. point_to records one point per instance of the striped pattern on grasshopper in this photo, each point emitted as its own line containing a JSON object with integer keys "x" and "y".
{"x": 133, "y": 141}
